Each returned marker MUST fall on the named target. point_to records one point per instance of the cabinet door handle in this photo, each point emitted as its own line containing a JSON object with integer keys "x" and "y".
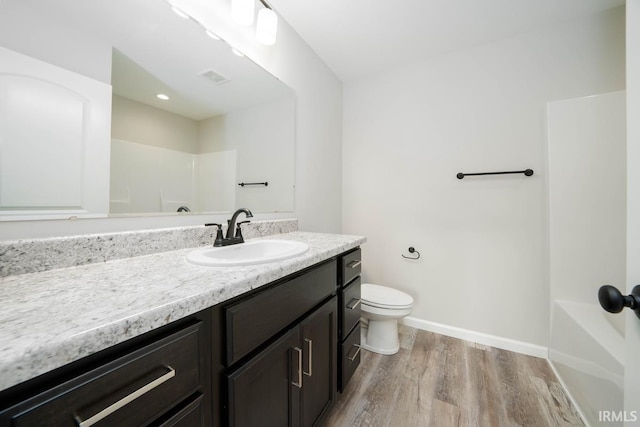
{"x": 354, "y": 264}
{"x": 126, "y": 400}
{"x": 352, "y": 358}
{"x": 299, "y": 383}
{"x": 353, "y": 303}
{"x": 310, "y": 350}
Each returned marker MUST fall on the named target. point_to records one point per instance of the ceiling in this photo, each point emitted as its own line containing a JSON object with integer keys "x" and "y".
{"x": 359, "y": 37}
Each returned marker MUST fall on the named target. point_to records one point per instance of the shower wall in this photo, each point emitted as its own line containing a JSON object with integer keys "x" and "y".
{"x": 587, "y": 246}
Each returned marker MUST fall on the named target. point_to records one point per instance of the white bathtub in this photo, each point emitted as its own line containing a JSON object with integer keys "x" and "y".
{"x": 587, "y": 352}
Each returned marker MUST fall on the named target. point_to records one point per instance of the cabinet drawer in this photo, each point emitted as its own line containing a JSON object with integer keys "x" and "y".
{"x": 350, "y": 306}
{"x": 349, "y": 357}
{"x": 129, "y": 391}
{"x": 350, "y": 266}
{"x": 191, "y": 414}
{"x": 252, "y": 322}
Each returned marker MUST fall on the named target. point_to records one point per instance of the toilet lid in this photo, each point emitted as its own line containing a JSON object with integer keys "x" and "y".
{"x": 384, "y": 297}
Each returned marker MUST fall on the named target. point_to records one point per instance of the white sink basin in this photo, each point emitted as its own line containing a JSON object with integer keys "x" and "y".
{"x": 248, "y": 253}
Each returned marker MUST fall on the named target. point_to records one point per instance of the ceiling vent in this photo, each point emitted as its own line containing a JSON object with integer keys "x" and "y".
{"x": 214, "y": 77}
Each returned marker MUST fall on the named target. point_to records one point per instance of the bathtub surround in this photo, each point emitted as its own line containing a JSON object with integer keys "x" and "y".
{"x": 587, "y": 354}
{"x": 55, "y": 317}
{"x": 35, "y": 255}
{"x": 482, "y": 239}
{"x": 587, "y": 197}
{"x": 587, "y": 247}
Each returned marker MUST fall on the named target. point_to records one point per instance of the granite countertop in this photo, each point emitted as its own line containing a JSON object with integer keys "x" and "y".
{"x": 55, "y": 317}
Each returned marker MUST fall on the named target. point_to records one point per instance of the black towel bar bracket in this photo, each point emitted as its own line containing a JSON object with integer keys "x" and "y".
{"x": 242, "y": 184}
{"x": 526, "y": 172}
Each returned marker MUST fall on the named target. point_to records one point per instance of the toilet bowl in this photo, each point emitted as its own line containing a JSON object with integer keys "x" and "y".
{"x": 382, "y": 307}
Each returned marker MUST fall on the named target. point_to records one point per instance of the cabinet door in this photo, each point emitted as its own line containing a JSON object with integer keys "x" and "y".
{"x": 318, "y": 340}
{"x": 263, "y": 391}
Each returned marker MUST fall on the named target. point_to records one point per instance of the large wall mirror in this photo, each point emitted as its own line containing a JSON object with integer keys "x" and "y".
{"x": 83, "y": 133}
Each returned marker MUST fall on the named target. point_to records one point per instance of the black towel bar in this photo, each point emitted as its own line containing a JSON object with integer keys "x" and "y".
{"x": 242, "y": 184}
{"x": 527, "y": 172}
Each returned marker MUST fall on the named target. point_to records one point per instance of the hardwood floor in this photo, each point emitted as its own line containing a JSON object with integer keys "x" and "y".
{"x": 439, "y": 381}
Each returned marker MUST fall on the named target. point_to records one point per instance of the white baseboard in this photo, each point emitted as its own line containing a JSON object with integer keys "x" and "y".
{"x": 478, "y": 337}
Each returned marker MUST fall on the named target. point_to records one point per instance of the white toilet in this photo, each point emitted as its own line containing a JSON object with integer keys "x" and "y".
{"x": 381, "y": 309}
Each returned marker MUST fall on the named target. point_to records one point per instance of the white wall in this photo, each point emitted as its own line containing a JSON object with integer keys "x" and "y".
{"x": 408, "y": 132}
{"x": 137, "y": 122}
{"x": 318, "y": 135}
{"x": 263, "y": 136}
{"x": 587, "y": 197}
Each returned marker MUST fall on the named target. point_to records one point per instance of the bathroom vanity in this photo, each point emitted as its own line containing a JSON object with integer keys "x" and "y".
{"x": 253, "y": 345}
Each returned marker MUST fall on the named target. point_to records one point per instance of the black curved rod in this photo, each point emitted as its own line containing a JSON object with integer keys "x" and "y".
{"x": 527, "y": 172}
{"x": 242, "y": 184}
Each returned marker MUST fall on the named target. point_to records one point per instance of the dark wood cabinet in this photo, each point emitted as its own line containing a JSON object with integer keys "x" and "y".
{"x": 349, "y": 322}
{"x": 290, "y": 375}
{"x": 253, "y": 320}
{"x": 319, "y": 366}
{"x": 163, "y": 381}
{"x": 262, "y": 391}
{"x": 292, "y": 381}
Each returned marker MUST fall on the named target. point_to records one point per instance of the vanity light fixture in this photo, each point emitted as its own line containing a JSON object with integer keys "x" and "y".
{"x": 267, "y": 26}
{"x": 162, "y": 96}
{"x": 243, "y": 12}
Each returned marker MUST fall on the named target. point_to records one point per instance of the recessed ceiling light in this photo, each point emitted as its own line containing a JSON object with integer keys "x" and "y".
{"x": 162, "y": 96}
{"x": 236, "y": 51}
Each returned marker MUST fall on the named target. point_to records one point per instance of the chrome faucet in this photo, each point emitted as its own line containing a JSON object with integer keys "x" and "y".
{"x": 230, "y": 238}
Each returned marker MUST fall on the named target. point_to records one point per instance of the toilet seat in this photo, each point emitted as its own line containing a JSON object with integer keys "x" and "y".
{"x": 384, "y": 297}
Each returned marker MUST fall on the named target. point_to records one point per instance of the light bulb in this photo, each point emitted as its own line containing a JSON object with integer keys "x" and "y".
{"x": 162, "y": 96}
{"x": 267, "y": 27}
{"x": 243, "y": 11}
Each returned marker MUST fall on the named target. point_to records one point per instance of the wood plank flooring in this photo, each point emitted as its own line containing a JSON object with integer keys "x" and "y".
{"x": 439, "y": 381}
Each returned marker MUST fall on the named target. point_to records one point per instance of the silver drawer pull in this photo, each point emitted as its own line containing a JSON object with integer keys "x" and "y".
{"x": 299, "y": 383}
{"x": 354, "y": 264}
{"x": 352, "y": 358}
{"x": 353, "y": 303}
{"x": 310, "y": 342}
{"x": 126, "y": 400}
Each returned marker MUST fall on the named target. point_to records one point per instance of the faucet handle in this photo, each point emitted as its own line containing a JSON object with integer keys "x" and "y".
{"x": 219, "y": 236}
{"x": 239, "y": 230}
